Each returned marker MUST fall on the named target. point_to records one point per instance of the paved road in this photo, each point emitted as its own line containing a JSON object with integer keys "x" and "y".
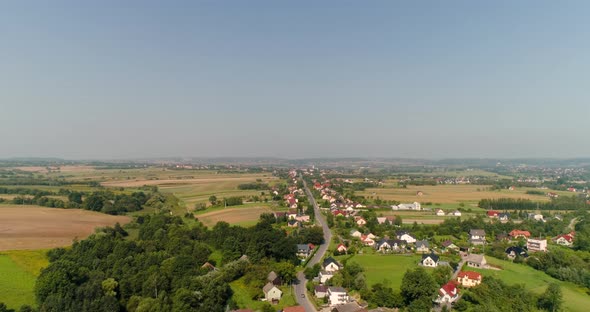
{"x": 300, "y": 290}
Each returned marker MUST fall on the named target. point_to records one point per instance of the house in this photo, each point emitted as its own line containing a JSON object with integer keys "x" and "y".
{"x": 337, "y": 295}
{"x": 341, "y": 248}
{"x": 492, "y": 213}
{"x": 303, "y": 218}
{"x": 208, "y": 266}
{"x": 414, "y": 206}
{"x": 422, "y": 246}
{"x": 534, "y": 245}
{"x": 552, "y": 195}
{"x": 272, "y": 293}
{"x": 348, "y": 307}
{"x": 511, "y": 188}
{"x": 331, "y": 265}
{"x": 571, "y": 189}
{"x": 536, "y": 217}
{"x": 515, "y": 234}
{"x": 448, "y": 245}
{"x": 405, "y": 235}
{"x": 455, "y": 213}
{"x": 469, "y": 278}
{"x": 294, "y": 309}
{"x": 367, "y": 241}
{"x": 324, "y": 276}
{"x": 440, "y": 212}
{"x": 386, "y": 220}
{"x": 477, "y": 237}
{"x": 320, "y": 291}
{"x": 476, "y": 261}
{"x": 564, "y": 240}
{"x": 292, "y": 213}
{"x": 280, "y": 215}
{"x": 273, "y": 278}
{"x": 338, "y": 213}
{"x": 303, "y": 250}
{"x": 371, "y": 236}
{"x": 504, "y": 216}
{"x": 293, "y": 223}
{"x": 387, "y": 245}
{"x": 355, "y": 233}
{"x": 513, "y": 251}
{"x": 448, "y": 293}
{"x": 360, "y": 221}
{"x": 430, "y": 260}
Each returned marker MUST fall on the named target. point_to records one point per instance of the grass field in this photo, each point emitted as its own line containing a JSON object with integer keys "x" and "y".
{"x": 575, "y": 298}
{"x": 25, "y": 227}
{"x": 386, "y": 269}
{"x": 447, "y": 194}
{"x": 18, "y": 272}
{"x": 244, "y": 215}
{"x": 242, "y": 297}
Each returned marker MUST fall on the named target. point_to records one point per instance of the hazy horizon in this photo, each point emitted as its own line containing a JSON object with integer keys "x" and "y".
{"x": 127, "y": 80}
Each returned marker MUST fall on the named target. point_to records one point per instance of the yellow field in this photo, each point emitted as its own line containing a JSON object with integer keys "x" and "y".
{"x": 447, "y": 194}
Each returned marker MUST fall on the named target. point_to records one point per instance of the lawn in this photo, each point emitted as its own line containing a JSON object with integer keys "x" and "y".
{"x": 575, "y": 298}
{"x": 241, "y": 297}
{"x": 386, "y": 269}
{"x": 18, "y": 272}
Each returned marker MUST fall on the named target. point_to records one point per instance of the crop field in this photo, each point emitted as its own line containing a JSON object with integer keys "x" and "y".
{"x": 18, "y": 271}
{"x": 245, "y": 215}
{"x": 33, "y": 227}
{"x": 575, "y": 298}
{"x": 447, "y": 194}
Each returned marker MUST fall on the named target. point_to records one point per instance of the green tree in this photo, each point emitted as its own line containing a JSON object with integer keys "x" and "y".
{"x": 552, "y": 298}
{"x": 109, "y": 287}
{"x": 213, "y": 200}
{"x": 417, "y": 284}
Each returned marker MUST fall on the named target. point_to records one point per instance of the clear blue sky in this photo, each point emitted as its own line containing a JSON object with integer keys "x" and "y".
{"x": 123, "y": 79}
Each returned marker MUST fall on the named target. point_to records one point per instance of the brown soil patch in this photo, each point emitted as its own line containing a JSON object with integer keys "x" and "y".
{"x": 232, "y": 215}
{"x": 33, "y": 227}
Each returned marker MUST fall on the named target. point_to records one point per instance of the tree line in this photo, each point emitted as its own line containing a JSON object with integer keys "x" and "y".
{"x": 560, "y": 203}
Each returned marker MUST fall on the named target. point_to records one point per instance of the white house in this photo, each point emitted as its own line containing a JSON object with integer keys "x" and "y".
{"x": 422, "y": 246}
{"x": 405, "y": 236}
{"x": 331, "y": 265}
{"x": 272, "y": 293}
{"x": 455, "y": 213}
{"x": 355, "y": 233}
{"x": 534, "y": 245}
{"x": 448, "y": 293}
{"x": 477, "y": 237}
{"x": 337, "y": 295}
{"x": 367, "y": 241}
{"x": 476, "y": 261}
{"x": 360, "y": 221}
{"x": 469, "y": 278}
{"x": 341, "y": 248}
{"x": 414, "y": 206}
{"x": 440, "y": 212}
{"x": 321, "y": 291}
{"x": 430, "y": 260}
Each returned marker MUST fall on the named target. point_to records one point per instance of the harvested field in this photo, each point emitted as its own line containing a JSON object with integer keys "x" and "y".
{"x": 170, "y": 182}
{"x": 238, "y": 216}
{"x": 34, "y": 227}
{"x": 446, "y": 194}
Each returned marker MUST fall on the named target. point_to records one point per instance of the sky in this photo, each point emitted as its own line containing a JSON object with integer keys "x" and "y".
{"x": 294, "y": 79}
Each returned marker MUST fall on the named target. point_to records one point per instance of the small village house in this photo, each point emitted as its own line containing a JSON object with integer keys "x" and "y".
{"x": 272, "y": 293}
{"x": 469, "y": 278}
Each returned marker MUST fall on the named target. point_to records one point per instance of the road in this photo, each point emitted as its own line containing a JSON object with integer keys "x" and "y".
{"x": 300, "y": 290}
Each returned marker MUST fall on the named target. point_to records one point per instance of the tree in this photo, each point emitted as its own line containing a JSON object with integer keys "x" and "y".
{"x": 417, "y": 284}
{"x": 552, "y": 298}
{"x": 213, "y": 200}
{"x": 4, "y": 308}
{"x": 109, "y": 287}
{"x": 442, "y": 274}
